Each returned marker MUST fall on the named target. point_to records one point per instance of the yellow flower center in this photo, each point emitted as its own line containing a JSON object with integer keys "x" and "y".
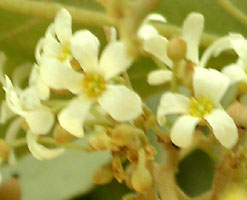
{"x": 200, "y": 107}
{"x": 94, "y": 85}
{"x": 65, "y": 53}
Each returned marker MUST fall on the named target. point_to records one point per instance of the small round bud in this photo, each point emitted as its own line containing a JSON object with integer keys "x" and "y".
{"x": 10, "y": 190}
{"x": 4, "y": 149}
{"x": 176, "y": 49}
{"x": 103, "y": 175}
{"x": 141, "y": 179}
{"x": 238, "y": 113}
{"x": 62, "y": 136}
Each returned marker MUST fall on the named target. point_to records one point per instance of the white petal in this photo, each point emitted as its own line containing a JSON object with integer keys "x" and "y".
{"x": 158, "y": 77}
{"x": 211, "y": 84}
{"x": 114, "y": 59}
{"x": 63, "y": 26}
{"x": 12, "y": 98}
{"x": 147, "y": 31}
{"x": 215, "y": 49}
{"x": 13, "y": 129}
{"x": 85, "y": 49}
{"x": 72, "y": 117}
{"x": 235, "y": 73}
{"x": 171, "y": 103}
{"x": 5, "y": 113}
{"x": 60, "y": 76}
{"x": 35, "y": 80}
{"x": 40, "y": 121}
{"x": 183, "y": 129}
{"x": 155, "y": 17}
{"x": 223, "y": 128}
{"x": 111, "y": 33}
{"x": 39, "y": 151}
{"x": 20, "y": 74}
{"x": 239, "y": 44}
{"x": 157, "y": 47}
{"x": 121, "y": 103}
{"x": 192, "y": 30}
{"x": 2, "y": 62}
{"x": 29, "y": 99}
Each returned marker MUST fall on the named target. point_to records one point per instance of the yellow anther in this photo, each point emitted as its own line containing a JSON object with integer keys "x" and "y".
{"x": 200, "y": 107}
{"x": 94, "y": 85}
{"x": 65, "y": 53}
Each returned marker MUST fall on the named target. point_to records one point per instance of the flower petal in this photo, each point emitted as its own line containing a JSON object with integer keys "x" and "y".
{"x": 223, "y": 128}
{"x": 235, "y": 73}
{"x": 192, "y": 30}
{"x": 114, "y": 59}
{"x": 85, "y": 49}
{"x": 239, "y": 44}
{"x": 63, "y": 26}
{"x": 158, "y": 77}
{"x": 211, "y": 84}
{"x": 72, "y": 117}
{"x": 183, "y": 129}
{"x": 40, "y": 121}
{"x": 121, "y": 103}
{"x": 5, "y": 113}
{"x": 39, "y": 151}
{"x": 60, "y": 76}
{"x": 156, "y": 46}
{"x": 155, "y": 17}
{"x": 171, "y": 103}
{"x": 147, "y": 31}
{"x": 215, "y": 49}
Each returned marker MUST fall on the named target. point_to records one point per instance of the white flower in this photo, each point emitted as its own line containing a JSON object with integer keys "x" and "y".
{"x": 156, "y": 45}
{"x": 27, "y": 105}
{"x": 93, "y": 82}
{"x": 56, "y": 43}
{"x": 237, "y": 72}
{"x": 209, "y": 87}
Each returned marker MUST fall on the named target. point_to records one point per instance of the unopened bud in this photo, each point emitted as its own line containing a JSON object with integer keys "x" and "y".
{"x": 141, "y": 178}
{"x": 176, "y": 49}
{"x": 125, "y": 135}
{"x": 238, "y": 113}
{"x": 4, "y": 149}
{"x": 103, "y": 175}
{"x": 10, "y": 190}
{"x": 102, "y": 142}
{"x": 62, "y": 136}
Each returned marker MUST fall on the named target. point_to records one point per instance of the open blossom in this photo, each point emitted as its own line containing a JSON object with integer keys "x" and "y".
{"x": 93, "y": 82}
{"x": 209, "y": 86}
{"x": 38, "y": 117}
{"x": 156, "y": 45}
{"x": 57, "y": 40}
{"x": 237, "y": 71}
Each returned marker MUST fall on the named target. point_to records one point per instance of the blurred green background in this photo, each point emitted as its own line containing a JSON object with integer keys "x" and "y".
{"x": 71, "y": 175}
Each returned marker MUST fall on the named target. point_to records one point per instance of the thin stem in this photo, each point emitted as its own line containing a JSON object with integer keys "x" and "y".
{"x": 48, "y": 10}
{"x": 232, "y": 10}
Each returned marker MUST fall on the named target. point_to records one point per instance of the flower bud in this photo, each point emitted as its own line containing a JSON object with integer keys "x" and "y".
{"x": 4, "y": 149}
{"x": 141, "y": 178}
{"x": 125, "y": 135}
{"x": 62, "y": 136}
{"x": 10, "y": 190}
{"x": 103, "y": 175}
{"x": 176, "y": 49}
{"x": 238, "y": 113}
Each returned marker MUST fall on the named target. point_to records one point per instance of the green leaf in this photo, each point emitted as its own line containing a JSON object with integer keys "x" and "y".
{"x": 63, "y": 178}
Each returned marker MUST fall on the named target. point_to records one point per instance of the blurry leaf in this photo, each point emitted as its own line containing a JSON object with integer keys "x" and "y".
{"x": 60, "y": 179}
{"x": 196, "y": 173}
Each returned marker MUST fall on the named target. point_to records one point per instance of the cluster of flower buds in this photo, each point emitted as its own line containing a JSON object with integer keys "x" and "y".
{"x": 73, "y": 91}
